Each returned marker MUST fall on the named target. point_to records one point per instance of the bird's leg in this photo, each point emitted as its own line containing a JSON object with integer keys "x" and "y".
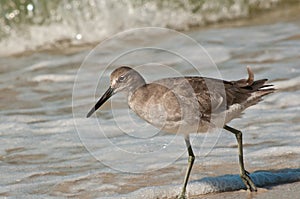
{"x": 190, "y": 165}
{"x": 243, "y": 173}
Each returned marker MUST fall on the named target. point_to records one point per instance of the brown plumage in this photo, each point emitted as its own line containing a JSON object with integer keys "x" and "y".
{"x": 188, "y": 105}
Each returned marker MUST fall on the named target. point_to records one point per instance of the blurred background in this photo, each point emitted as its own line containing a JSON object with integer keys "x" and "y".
{"x": 29, "y": 25}
{"x": 52, "y": 71}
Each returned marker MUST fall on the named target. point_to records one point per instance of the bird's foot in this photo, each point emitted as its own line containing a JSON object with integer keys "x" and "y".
{"x": 247, "y": 172}
{"x": 181, "y": 196}
{"x": 248, "y": 182}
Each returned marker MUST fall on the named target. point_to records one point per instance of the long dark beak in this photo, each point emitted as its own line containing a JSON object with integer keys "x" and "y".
{"x": 104, "y": 98}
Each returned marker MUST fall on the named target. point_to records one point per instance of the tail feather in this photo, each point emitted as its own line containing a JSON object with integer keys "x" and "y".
{"x": 253, "y": 86}
{"x": 261, "y": 87}
{"x": 258, "y": 84}
{"x": 257, "y": 89}
{"x": 245, "y": 93}
{"x": 248, "y": 91}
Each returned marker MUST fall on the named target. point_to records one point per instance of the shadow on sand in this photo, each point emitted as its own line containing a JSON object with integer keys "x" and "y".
{"x": 262, "y": 179}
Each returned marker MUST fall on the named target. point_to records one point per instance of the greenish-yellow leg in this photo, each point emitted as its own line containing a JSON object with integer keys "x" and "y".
{"x": 189, "y": 168}
{"x": 243, "y": 173}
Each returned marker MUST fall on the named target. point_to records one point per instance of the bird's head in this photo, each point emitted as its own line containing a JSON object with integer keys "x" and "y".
{"x": 123, "y": 78}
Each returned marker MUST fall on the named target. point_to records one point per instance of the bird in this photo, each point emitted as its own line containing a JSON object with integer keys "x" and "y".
{"x": 189, "y": 104}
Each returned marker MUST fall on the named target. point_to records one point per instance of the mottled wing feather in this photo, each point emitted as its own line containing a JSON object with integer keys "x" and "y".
{"x": 209, "y": 93}
{"x": 216, "y": 96}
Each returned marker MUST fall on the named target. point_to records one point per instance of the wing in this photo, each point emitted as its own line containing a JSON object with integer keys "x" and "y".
{"x": 202, "y": 95}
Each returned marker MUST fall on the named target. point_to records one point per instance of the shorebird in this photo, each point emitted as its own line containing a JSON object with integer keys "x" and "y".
{"x": 188, "y": 105}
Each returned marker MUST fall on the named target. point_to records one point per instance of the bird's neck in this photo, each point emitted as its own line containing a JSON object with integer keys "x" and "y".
{"x": 138, "y": 82}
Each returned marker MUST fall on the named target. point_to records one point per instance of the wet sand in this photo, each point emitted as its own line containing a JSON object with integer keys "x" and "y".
{"x": 286, "y": 191}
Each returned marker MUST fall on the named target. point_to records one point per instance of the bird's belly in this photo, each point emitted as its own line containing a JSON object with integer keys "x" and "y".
{"x": 234, "y": 111}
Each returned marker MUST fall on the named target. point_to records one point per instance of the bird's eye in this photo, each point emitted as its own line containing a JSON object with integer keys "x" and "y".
{"x": 122, "y": 78}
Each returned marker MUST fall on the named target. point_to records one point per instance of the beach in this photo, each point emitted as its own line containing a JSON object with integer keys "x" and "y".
{"x": 50, "y": 80}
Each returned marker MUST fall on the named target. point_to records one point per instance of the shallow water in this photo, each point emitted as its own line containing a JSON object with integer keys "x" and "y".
{"x": 49, "y": 149}
{"x": 27, "y": 25}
